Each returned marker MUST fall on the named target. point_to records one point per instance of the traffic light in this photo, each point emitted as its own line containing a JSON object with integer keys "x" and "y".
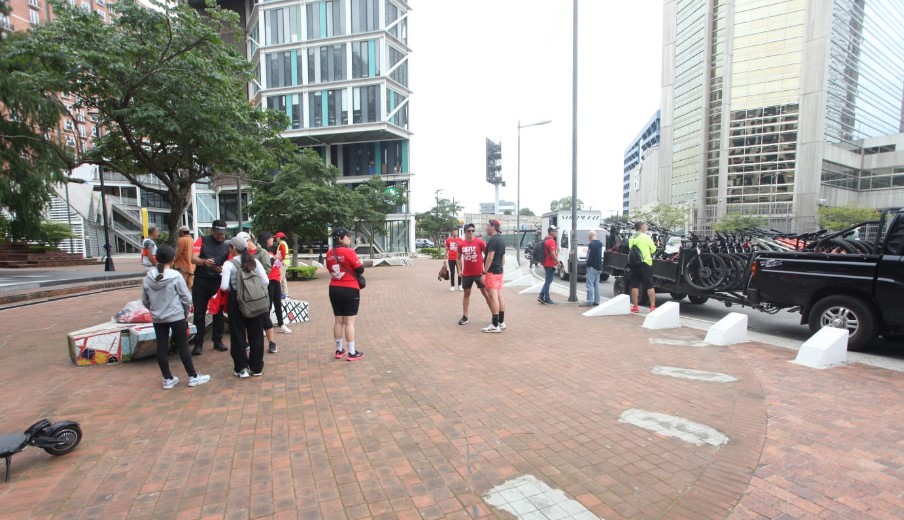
{"x": 494, "y": 162}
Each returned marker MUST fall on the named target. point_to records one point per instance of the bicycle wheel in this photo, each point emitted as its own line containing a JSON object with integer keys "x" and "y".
{"x": 705, "y": 271}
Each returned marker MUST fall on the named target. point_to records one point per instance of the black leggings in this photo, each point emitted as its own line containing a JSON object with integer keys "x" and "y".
{"x": 245, "y": 331}
{"x": 276, "y": 301}
{"x": 453, "y": 266}
{"x": 180, "y": 338}
{"x": 202, "y": 291}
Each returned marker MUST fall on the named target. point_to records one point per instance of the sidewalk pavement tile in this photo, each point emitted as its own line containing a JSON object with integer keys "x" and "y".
{"x": 439, "y": 414}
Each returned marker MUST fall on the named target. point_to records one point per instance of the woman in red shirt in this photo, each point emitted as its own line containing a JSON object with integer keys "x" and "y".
{"x": 344, "y": 267}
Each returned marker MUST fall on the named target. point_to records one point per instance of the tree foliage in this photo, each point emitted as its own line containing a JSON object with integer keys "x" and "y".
{"x": 29, "y": 165}
{"x": 442, "y": 217}
{"x": 299, "y": 198}
{"x": 663, "y": 216}
{"x": 526, "y": 212}
{"x": 840, "y": 217}
{"x": 564, "y": 203}
{"x": 739, "y": 221}
{"x": 167, "y": 91}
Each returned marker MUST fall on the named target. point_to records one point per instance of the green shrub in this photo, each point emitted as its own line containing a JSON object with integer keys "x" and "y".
{"x": 52, "y": 233}
{"x": 301, "y": 272}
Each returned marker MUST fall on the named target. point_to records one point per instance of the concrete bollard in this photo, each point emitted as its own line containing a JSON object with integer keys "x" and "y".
{"x": 665, "y": 316}
{"x": 825, "y": 348}
{"x": 728, "y": 330}
{"x": 617, "y": 306}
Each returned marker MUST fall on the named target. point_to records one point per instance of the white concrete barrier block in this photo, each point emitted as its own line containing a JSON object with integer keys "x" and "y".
{"x": 521, "y": 281}
{"x": 534, "y": 289}
{"x": 617, "y": 306}
{"x": 730, "y": 329}
{"x": 825, "y": 348}
{"x": 665, "y": 316}
{"x": 316, "y": 264}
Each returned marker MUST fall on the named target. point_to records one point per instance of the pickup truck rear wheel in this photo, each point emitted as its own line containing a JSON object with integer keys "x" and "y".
{"x": 561, "y": 272}
{"x": 845, "y": 312}
{"x": 698, "y": 300}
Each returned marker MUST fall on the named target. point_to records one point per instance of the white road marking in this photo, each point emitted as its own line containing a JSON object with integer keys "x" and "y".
{"x": 530, "y": 499}
{"x": 678, "y": 342}
{"x": 697, "y": 375}
{"x": 672, "y": 426}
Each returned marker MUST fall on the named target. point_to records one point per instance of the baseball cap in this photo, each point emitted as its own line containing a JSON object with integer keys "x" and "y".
{"x": 280, "y": 234}
{"x": 243, "y": 235}
{"x": 184, "y": 229}
{"x": 340, "y": 232}
{"x": 495, "y": 223}
{"x": 218, "y": 226}
{"x": 550, "y": 229}
{"x": 238, "y": 243}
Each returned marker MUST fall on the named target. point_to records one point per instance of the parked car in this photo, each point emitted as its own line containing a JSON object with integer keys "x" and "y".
{"x": 423, "y": 242}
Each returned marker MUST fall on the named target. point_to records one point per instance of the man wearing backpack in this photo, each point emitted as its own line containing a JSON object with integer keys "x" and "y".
{"x": 550, "y": 261}
{"x": 249, "y": 301}
{"x": 642, "y": 273}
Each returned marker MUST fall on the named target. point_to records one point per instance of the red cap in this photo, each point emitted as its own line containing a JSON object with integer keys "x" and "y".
{"x": 280, "y": 234}
{"x": 495, "y": 223}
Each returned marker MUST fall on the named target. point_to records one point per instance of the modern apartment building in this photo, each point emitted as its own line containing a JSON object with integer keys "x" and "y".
{"x": 635, "y": 161}
{"x": 775, "y": 107}
{"x": 338, "y": 69}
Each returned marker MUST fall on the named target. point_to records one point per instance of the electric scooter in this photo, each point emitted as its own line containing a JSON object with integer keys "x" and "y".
{"x": 57, "y": 439}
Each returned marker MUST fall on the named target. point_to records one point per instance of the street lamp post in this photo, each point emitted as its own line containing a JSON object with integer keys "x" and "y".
{"x": 573, "y": 244}
{"x": 108, "y": 262}
{"x": 518, "y": 190}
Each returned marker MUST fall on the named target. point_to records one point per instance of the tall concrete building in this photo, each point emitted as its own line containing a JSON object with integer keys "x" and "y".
{"x": 775, "y": 107}
{"x": 637, "y": 157}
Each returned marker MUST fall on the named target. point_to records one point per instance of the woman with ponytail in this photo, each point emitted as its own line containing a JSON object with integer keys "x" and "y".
{"x": 166, "y": 295}
{"x": 243, "y": 330}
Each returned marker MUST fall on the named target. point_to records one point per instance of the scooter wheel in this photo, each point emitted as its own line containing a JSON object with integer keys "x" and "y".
{"x": 68, "y": 438}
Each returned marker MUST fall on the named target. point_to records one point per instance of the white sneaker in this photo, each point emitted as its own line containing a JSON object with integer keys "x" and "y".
{"x": 243, "y": 373}
{"x": 284, "y": 329}
{"x": 502, "y": 325}
{"x": 491, "y": 328}
{"x": 169, "y": 383}
{"x": 198, "y": 380}
{"x": 460, "y": 289}
{"x": 452, "y": 288}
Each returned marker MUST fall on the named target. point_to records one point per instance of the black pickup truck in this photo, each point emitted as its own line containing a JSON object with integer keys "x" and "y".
{"x": 863, "y": 293}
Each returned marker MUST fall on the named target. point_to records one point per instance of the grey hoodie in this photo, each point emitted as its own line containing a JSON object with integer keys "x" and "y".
{"x": 169, "y": 299}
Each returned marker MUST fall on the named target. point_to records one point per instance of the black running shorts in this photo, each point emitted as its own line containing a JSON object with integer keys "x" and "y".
{"x": 642, "y": 275}
{"x": 344, "y": 300}
{"x": 468, "y": 281}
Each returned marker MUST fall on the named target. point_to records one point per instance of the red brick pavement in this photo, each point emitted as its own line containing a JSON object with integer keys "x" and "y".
{"x": 437, "y": 414}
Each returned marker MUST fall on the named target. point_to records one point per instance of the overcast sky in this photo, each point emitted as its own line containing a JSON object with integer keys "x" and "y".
{"x": 479, "y": 66}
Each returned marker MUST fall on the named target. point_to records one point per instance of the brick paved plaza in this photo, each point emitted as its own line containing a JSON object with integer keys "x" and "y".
{"x": 437, "y": 416}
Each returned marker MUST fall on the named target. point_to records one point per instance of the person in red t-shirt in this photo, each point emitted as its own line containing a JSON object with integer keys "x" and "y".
{"x": 470, "y": 265}
{"x": 452, "y": 257}
{"x": 549, "y": 264}
{"x": 344, "y": 267}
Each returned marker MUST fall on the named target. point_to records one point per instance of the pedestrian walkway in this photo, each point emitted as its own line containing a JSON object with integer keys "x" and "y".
{"x": 559, "y": 416}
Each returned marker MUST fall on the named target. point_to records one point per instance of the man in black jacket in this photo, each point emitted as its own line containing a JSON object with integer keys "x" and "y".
{"x": 594, "y": 269}
{"x": 209, "y": 255}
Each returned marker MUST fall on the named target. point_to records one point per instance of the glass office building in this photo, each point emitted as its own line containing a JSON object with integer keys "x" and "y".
{"x": 774, "y": 107}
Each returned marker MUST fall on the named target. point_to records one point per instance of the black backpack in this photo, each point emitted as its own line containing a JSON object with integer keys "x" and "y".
{"x": 635, "y": 256}
{"x": 538, "y": 255}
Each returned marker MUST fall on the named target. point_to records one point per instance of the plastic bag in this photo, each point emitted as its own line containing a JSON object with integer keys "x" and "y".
{"x": 217, "y": 302}
{"x": 133, "y": 312}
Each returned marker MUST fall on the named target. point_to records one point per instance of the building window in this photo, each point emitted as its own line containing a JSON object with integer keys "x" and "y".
{"x": 327, "y": 108}
{"x": 325, "y": 19}
{"x": 326, "y": 63}
{"x": 67, "y": 125}
{"x": 365, "y": 16}
{"x": 81, "y": 131}
{"x": 4, "y": 22}
{"x": 34, "y": 3}
{"x": 102, "y": 14}
{"x": 365, "y": 59}
{"x": 290, "y": 105}
{"x": 400, "y": 74}
{"x": 34, "y": 18}
{"x": 282, "y": 25}
{"x": 70, "y": 142}
{"x": 366, "y": 104}
{"x": 283, "y": 69}
{"x": 86, "y": 7}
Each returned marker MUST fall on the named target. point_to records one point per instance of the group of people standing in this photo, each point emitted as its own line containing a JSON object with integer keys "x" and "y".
{"x": 479, "y": 263}
{"x": 184, "y": 280}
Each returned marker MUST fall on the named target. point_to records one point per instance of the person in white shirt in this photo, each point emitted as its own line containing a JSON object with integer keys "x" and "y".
{"x": 243, "y": 330}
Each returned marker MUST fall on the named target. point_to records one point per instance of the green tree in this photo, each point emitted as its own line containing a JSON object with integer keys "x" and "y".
{"x": 300, "y": 197}
{"x": 526, "y": 212}
{"x": 371, "y": 202}
{"x": 442, "y": 217}
{"x": 29, "y": 165}
{"x": 564, "y": 203}
{"x": 663, "y": 216}
{"x": 167, "y": 91}
{"x": 738, "y": 221}
{"x": 840, "y": 217}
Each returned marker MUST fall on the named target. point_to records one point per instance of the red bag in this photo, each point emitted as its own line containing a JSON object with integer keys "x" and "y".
{"x": 217, "y": 302}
